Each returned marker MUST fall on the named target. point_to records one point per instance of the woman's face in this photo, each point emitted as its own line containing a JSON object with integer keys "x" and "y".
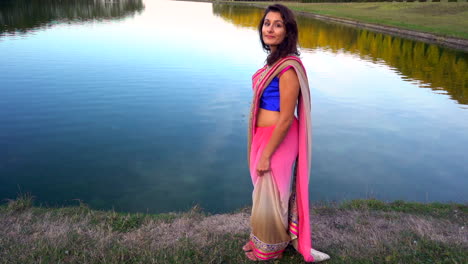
{"x": 273, "y": 30}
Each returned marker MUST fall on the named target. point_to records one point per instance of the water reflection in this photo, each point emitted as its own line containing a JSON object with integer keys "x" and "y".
{"x": 22, "y": 16}
{"x": 427, "y": 65}
{"x": 147, "y": 114}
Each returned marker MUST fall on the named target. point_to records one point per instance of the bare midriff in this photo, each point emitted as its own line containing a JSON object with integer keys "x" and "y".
{"x": 266, "y": 118}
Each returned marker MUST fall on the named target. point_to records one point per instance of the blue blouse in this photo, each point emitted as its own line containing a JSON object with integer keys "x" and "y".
{"x": 270, "y": 99}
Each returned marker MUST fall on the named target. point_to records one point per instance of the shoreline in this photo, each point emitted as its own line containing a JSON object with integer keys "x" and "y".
{"x": 449, "y": 42}
{"x": 356, "y": 231}
{"x": 457, "y": 43}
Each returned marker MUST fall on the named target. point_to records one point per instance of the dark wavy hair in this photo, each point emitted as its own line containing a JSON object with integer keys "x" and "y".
{"x": 289, "y": 44}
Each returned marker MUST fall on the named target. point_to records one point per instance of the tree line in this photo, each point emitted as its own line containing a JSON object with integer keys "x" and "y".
{"x": 347, "y": 1}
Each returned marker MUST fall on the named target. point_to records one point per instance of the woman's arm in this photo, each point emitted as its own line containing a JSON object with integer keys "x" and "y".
{"x": 289, "y": 91}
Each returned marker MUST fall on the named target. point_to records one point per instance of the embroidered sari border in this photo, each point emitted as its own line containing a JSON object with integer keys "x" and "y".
{"x": 266, "y": 248}
{"x": 269, "y": 257}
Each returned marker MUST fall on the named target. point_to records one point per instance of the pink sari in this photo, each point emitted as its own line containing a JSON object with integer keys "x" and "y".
{"x": 280, "y": 210}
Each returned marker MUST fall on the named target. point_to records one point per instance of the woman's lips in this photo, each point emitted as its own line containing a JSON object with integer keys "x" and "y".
{"x": 269, "y": 37}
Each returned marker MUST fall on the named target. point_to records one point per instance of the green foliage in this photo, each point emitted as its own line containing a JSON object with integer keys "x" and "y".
{"x": 165, "y": 218}
{"x": 21, "y": 203}
{"x": 196, "y": 212}
{"x": 364, "y": 204}
{"x": 124, "y": 222}
{"x": 81, "y": 247}
{"x": 26, "y": 15}
{"x": 434, "y": 209}
{"x": 352, "y": 1}
{"x": 422, "y": 250}
{"x": 326, "y": 210}
{"x": 450, "y": 17}
{"x": 413, "y": 249}
{"x": 425, "y": 63}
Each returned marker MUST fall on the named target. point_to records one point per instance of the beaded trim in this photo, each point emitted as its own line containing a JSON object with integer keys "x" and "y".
{"x": 267, "y": 248}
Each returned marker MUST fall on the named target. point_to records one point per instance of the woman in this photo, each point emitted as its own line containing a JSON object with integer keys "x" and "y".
{"x": 278, "y": 141}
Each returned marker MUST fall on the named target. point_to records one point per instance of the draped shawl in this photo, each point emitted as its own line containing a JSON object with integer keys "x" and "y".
{"x": 260, "y": 81}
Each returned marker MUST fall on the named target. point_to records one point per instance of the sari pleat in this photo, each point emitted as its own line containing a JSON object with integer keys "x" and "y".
{"x": 272, "y": 191}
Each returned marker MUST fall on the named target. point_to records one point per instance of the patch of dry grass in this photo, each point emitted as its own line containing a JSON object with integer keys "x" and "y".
{"x": 82, "y": 235}
{"x": 371, "y": 232}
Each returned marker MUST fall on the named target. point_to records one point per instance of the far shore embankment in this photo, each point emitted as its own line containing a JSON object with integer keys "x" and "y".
{"x": 441, "y": 23}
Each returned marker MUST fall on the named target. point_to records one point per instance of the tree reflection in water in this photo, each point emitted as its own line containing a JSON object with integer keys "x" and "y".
{"x": 23, "y": 16}
{"x": 429, "y": 65}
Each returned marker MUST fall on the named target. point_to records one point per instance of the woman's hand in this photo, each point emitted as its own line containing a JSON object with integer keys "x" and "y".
{"x": 263, "y": 166}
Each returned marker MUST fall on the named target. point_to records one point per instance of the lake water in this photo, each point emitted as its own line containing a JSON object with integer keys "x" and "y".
{"x": 142, "y": 106}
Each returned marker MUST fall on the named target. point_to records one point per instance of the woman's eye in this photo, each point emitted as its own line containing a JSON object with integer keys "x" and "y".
{"x": 279, "y": 25}
{"x": 266, "y": 24}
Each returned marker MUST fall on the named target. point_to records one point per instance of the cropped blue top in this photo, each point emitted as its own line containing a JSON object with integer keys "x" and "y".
{"x": 270, "y": 99}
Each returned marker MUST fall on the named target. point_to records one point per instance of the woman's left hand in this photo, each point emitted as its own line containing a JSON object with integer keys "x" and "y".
{"x": 263, "y": 166}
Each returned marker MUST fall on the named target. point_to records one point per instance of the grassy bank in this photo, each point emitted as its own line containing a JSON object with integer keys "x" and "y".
{"x": 445, "y": 19}
{"x": 358, "y": 231}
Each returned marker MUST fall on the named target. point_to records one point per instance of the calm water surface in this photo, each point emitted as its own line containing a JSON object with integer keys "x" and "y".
{"x": 142, "y": 106}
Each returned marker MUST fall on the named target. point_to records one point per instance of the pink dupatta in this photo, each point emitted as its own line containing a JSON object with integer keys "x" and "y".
{"x": 260, "y": 80}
